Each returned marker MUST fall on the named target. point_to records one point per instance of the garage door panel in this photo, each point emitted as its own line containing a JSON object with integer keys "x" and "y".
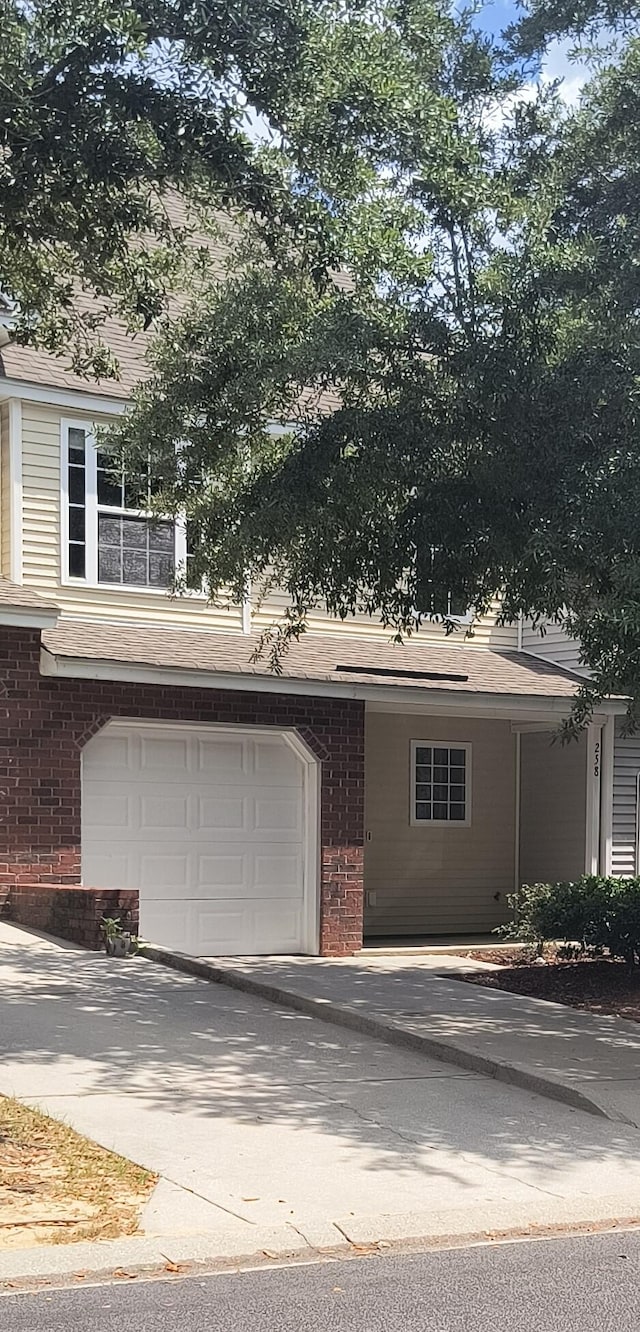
{"x": 105, "y": 868}
{"x": 114, "y": 751}
{"x": 162, "y": 756}
{"x": 276, "y": 933}
{"x": 275, "y": 813}
{"x": 219, "y": 927}
{"x": 220, "y": 874}
{"x": 107, "y": 808}
{"x": 163, "y": 876}
{"x": 168, "y": 922}
{"x": 222, "y": 812}
{"x": 276, "y": 764}
{"x": 209, "y": 828}
{"x": 163, "y": 811}
{"x": 222, "y": 760}
{"x": 277, "y": 875}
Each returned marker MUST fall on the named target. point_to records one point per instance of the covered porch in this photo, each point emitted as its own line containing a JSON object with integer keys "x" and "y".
{"x": 464, "y": 805}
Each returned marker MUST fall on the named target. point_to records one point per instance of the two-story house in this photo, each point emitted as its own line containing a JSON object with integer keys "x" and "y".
{"x": 404, "y": 789}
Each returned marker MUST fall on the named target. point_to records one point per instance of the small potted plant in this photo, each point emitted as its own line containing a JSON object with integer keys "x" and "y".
{"x": 118, "y": 942}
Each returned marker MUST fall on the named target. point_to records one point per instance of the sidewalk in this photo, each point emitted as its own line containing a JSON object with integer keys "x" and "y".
{"x": 415, "y": 1001}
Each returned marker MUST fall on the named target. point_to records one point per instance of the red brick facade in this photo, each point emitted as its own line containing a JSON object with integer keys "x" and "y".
{"x": 45, "y": 722}
{"x": 71, "y": 913}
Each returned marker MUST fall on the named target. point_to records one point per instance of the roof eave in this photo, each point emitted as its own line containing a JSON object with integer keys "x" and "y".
{"x": 377, "y": 695}
{"x": 28, "y": 617}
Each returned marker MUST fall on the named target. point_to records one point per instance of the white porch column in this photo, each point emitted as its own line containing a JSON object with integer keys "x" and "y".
{"x": 592, "y": 820}
{"x": 606, "y": 795}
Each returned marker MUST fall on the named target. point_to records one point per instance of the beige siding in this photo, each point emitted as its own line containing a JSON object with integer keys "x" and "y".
{"x": 437, "y": 880}
{"x": 553, "y": 809}
{"x": 553, "y": 645}
{"x": 486, "y": 631}
{"x": 42, "y": 553}
{"x": 626, "y": 767}
{"x": 5, "y": 493}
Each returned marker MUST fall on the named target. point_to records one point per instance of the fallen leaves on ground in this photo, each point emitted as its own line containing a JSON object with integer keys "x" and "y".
{"x": 57, "y": 1187}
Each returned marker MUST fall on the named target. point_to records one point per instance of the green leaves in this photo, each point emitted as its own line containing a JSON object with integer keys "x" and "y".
{"x": 434, "y": 294}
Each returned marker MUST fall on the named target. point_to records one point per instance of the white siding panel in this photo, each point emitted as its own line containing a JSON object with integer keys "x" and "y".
{"x": 5, "y": 493}
{"x": 553, "y": 645}
{"x": 486, "y": 633}
{"x": 42, "y": 556}
{"x": 626, "y": 766}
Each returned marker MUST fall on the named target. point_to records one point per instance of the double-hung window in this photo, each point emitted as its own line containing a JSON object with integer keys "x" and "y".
{"x": 440, "y": 783}
{"x": 110, "y": 534}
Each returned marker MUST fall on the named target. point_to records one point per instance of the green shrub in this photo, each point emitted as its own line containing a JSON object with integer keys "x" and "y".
{"x": 592, "y": 914}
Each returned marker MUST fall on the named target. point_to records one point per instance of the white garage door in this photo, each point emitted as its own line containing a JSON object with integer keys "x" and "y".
{"x": 209, "y": 826}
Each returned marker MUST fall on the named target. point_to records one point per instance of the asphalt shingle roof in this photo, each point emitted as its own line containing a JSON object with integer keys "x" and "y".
{"x": 317, "y": 657}
{"x": 22, "y": 598}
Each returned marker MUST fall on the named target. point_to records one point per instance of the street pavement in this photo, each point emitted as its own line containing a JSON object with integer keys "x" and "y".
{"x": 587, "y": 1284}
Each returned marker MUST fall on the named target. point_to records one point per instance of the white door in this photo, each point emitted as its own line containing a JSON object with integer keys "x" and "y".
{"x": 209, "y": 827}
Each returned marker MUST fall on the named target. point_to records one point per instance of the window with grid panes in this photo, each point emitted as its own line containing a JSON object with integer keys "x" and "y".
{"x": 132, "y": 547}
{"x": 129, "y": 546}
{"x": 440, "y": 785}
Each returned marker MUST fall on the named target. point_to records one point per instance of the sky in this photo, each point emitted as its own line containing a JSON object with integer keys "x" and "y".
{"x": 498, "y": 14}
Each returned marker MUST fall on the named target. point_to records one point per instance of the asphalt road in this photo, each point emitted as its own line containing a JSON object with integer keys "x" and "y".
{"x": 589, "y": 1284}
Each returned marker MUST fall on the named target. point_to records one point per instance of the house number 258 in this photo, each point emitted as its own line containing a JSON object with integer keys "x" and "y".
{"x": 596, "y": 759}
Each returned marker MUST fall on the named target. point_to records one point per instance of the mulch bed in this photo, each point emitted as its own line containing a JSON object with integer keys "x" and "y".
{"x": 597, "y": 986}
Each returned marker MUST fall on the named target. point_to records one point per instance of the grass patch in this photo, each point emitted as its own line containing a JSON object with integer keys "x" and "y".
{"x": 57, "y": 1187}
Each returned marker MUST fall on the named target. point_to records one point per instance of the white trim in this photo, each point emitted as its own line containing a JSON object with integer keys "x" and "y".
{"x": 532, "y": 727}
{"x": 580, "y": 672}
{"x": 312, "y": 867}
{"x": 520, "y": 635}
{"x": 92, "y": 509}
{"x": 606, "y": 795}
{"x": 247, "y": 611}
{"x": 517, "y": 810}
{"x": 23, "y": 617}
{"x": 379, "y": 698}
{"x": 71, "y": 399}
{"x": 414, "y": 821}
{"x": 15, "y": 482}
{"x": 592, "y": 818}
{"x": 312, "y": 778}
{"x": 637, "y": 839}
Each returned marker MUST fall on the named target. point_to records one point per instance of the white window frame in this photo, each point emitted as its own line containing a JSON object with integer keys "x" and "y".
{"x": 90, "y": 579}
{"x": 429, "y": 617}
{"x": 414, "y": 821}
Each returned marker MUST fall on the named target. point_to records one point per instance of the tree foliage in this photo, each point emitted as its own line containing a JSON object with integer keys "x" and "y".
{"x": 104, "y": 107}
{"x": 484, "y": 358}
{"x": 459, "y": 402}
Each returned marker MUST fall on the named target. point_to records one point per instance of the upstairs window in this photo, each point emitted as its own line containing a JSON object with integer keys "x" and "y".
{"x": 441, "y": 606}
{"x": 440, "y": 783}
{"x": 111, "y": 535}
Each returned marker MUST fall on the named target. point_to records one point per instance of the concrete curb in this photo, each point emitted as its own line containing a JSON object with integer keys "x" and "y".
{"x": 386, "y": 1029}
{"x": 189, "y": 1255}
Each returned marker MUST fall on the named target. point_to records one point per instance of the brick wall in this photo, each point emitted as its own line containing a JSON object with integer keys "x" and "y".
{"x": 71, "y": 913}
{"x": 44, "y": 724}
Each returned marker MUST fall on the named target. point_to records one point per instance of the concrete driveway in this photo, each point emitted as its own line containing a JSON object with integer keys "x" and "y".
{"x": 257, "y": 1117}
